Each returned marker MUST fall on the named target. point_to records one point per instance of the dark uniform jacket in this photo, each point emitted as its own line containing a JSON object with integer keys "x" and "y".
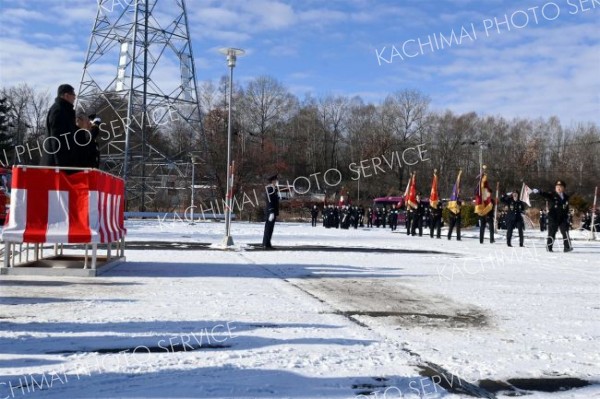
{"x": 314, "y": 212}
{"x": 88, "y": 154}
{"x": 515, "y": 208}
{"x": 62, "y": 151}
{"x": 437, "y": 211}
{"x": 419, "y": 211}
{"x": 272, "y": 201}
{"x": 559, "y": 207}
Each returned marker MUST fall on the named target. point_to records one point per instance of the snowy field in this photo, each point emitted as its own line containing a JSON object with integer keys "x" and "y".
{"x": 329, "y": 314}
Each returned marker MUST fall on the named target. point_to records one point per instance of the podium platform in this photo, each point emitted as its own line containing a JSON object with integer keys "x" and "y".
{"x": 54, "y": 211}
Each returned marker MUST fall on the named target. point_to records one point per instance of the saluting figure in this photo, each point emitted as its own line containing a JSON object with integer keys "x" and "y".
{"x": 514, "y": 217}
{"x": 271, "y": 210}
{"x": 558, "y": 215}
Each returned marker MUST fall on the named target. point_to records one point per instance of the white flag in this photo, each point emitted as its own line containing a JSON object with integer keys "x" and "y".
{"x": 525, "y": 191}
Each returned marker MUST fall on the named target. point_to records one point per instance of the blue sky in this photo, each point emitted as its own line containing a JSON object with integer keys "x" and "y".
{"x": 545, "y": 61}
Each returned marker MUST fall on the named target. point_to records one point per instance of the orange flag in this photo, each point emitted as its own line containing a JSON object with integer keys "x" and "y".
{"x": 412, "y": 193}
{"x": 434, "y": 198}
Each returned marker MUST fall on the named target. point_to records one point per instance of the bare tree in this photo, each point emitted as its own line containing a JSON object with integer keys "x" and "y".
{"x": 264, "y": 104}
{"x": 333, "y": 112}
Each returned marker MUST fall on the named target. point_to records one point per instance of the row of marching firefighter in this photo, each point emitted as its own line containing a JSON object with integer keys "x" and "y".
{"x": 417, "y": 214}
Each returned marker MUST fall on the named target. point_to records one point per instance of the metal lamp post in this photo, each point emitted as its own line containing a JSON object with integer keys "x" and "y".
{"x": 482, "y": 144}
{"x": 193, "y": 158}
{"x": 232, "y": 54}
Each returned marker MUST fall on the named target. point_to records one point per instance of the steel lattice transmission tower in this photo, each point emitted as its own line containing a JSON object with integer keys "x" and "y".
{"x": 139, "y": 76}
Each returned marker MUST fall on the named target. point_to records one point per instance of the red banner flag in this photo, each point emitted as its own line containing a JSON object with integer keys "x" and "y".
{"x": 483, "y": 196}
{"x": 412, "y": 192}
{"x": 434, "y": 197}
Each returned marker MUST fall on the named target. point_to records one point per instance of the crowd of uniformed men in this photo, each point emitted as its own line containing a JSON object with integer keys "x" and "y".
{"x": 557, "y": 217}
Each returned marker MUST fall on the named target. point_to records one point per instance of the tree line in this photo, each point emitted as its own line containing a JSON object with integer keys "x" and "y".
{"x": 276, "y": 131}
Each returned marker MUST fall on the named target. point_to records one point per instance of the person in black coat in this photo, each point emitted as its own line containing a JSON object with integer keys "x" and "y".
{"x": 361, "y": 216}
{"x": 543, "y": 220}
{"x": 378, "y": 217}
{"x": 88, "y": 154}
{"x": 314, "y": 213}
{"x": 486, "y": 220}
{"x": 435, "y": 224}
{"x": 59, "y": 146}
{"x": 369, "y": 217}
{"x": 354, "y": 216}
{"x": 271, "y": 210}
{"x": 454, "y": 220}
{"x": 393, "y": 218}
{"x": 558, "y": 215}
{"x": 514, "y": 217}
{"x": 417, "y": 217}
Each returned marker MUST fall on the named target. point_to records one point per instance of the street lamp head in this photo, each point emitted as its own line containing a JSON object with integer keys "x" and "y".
{"x": 232, "y": 53}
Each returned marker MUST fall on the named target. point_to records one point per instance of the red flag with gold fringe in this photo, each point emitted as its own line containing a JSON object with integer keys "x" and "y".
{"x": 412, "y": 193}
{"x": 483, "y": 195}
{"x": 434, "y": 197}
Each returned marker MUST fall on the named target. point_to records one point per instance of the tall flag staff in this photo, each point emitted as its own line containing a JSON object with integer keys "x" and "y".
{"x": 454, "y": 198}
{"x": 406, "y": 192}
{"x": 496, "y": 207}
{"x": 593, "y": 225}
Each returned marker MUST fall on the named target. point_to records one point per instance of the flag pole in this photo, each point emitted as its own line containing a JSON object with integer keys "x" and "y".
{"x": 496, "y": 208}
{"x": 592, "y": 226}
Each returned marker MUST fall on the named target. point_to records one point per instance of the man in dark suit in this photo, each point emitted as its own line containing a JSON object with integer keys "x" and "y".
{"x": 558, "y": 215}
{"x": 271, "y": 210}
{"x": 59, "y": 146}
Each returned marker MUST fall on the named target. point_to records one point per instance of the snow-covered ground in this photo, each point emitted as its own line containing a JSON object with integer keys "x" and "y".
{"x": 389, "y": 316}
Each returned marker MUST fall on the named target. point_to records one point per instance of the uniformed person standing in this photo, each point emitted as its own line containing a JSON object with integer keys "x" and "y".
{"x": 454, "y": 220}
{"x": 514, "y": 217}
{"x": 417, "y": 221}
{"x": 558, "y": 215}
{"x": 354, "y": 215}
{"x": 361, "y": 216}
{"x": 435, "y": 224}
{"x": 314, "y": 213}
{"x": 271, "y": 210}
{"x": 543, "y": 220}
{"x": 369, "y": 217}
{"x": 393, "y": 218}
{"x": 488, "y": 220}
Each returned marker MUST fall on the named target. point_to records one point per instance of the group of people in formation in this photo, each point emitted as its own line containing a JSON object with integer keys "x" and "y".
{"x": 428, "y": 214}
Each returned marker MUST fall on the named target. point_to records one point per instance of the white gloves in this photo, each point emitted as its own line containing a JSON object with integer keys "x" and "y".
{"x": 535, "y": 191}
{"x": 271, "y": 217}
{"x": 509, "y": 193}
